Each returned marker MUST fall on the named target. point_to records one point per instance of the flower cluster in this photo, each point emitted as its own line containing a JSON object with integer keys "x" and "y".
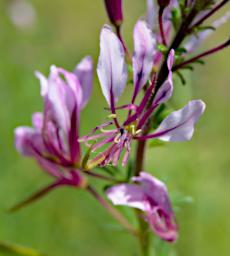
{"x": 54, "y": 140}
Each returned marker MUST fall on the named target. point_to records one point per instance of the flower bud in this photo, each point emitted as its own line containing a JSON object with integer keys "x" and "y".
{"x": 163, "y": 3}
{"x": 114, "y": 10}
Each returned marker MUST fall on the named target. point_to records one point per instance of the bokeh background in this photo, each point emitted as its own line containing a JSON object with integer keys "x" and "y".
{"x": 69, "y": 222}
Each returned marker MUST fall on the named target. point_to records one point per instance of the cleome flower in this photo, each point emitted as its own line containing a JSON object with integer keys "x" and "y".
{"x": 53, "y": 139}
{"x": 150, "y": 196}
{"x": 112, "y": 73}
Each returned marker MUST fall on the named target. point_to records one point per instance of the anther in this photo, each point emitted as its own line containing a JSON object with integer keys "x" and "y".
{"x": 112, "y": 116}
{"x": 117, "y": 138}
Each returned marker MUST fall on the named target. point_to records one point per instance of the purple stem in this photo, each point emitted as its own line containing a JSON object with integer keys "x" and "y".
{"x": 116, "y": 214}
{"x": 118, "y": 31}
{"x": 216, "y": 8}
{"x": 160, "y": 20}
{"x": 204, "y": 54}
{"x": 100, "y": 176}
{"x": 36, "y": 196}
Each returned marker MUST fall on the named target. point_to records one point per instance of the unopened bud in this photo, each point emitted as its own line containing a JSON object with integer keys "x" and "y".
{"x": 114, "y": 10}
{"x": 163, "y": 3}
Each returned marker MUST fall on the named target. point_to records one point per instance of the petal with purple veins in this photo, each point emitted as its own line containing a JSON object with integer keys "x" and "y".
{"x": 179, "y": 125}
{"x": 111, "y": 69}
{"x": 144, "y": 50}
{"x": 84, "y": 72}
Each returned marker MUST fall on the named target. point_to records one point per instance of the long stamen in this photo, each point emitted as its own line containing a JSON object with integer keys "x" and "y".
{"x": 209, "y": 52}
{"x": 215, "y": 9}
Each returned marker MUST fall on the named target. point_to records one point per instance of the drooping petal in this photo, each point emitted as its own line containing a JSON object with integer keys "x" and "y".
{"x": 144, "y": 50}
{"x": 151, "y": 196}
{"x": 111, "y": 69}
{"x": 160, "y": 215}
{"x": 127, "y": 194}
{"x": 179, "y": 125}
{"x": 163, "y": 225}
{"x": 155, "y": 189}
{"x": 84, "y": 72}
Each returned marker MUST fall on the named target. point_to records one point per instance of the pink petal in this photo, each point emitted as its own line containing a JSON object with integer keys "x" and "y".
{"x": 84, "y": 72}
{"x": 179, "y": 125}
{"x": 151, "y": 13}
{"x": 127, "y": 194}
{"x": 111, "y": 69}
{"x": 144, "y": 50}
{"x": 165, "y": 91}
{"x": 43, "y": 83}
{"x": 23, "y": 138}
{"x": 37, "y": 121}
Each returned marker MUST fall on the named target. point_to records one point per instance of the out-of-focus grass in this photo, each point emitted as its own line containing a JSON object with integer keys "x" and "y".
{"x": 68, "y": 221}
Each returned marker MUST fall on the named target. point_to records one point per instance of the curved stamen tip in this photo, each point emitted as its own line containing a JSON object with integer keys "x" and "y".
{"x": 138, "y": 132}
{"x": 112, "y": 116}
{"x": 117, "y": 138}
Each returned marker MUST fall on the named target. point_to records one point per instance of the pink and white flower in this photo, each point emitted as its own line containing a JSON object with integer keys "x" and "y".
{"x": 150, "y": 195}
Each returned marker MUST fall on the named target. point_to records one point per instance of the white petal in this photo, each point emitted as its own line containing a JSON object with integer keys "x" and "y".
{"x": 144, "y": 50}
{"x": 111, "y": 69}
{"x": 127, "y": 194}
{"x": 84, "y": 72}
{"x": 179, "y": 125}
{"x": 43, "y": 83}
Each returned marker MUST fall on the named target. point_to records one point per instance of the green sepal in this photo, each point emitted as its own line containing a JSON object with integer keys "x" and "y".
{"x": 162, "y": 48}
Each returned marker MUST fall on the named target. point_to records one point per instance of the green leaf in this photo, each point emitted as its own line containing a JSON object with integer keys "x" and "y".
{"x": 202, "y": 28}
{"x": 182, "y": 78}
{"x": 188, "y": 67}
{"x": 176, "y": 18}
{"x": 162, "y": 48}
{"x": 180, "y": 50}
{"x": 201, "y": 62}
{"x": 6, "y": 247}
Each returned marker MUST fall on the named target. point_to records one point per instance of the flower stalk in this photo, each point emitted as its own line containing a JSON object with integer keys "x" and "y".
{"x": 112, "y": 211}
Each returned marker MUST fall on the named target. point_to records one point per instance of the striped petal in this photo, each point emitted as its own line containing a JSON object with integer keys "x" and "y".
{"x": 111, "y": 69}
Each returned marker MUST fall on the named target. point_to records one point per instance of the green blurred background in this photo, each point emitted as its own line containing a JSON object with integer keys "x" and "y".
{"x": 69, "y": 222}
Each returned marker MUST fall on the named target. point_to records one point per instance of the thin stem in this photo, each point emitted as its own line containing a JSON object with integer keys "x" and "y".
{"x": 204, "y": 54}
{"x": 116, "y": 214}
{"x": 100, "y": 176}
{"x": 215, "y": 9}
{"x": 118, "y": 31}
{"x": 181, "y": 34}
{"x": 140, "y": 151}
{"x": 144, "y": 238}
{"x": 139, "y": 160}
{"x": 161, "y": 26}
